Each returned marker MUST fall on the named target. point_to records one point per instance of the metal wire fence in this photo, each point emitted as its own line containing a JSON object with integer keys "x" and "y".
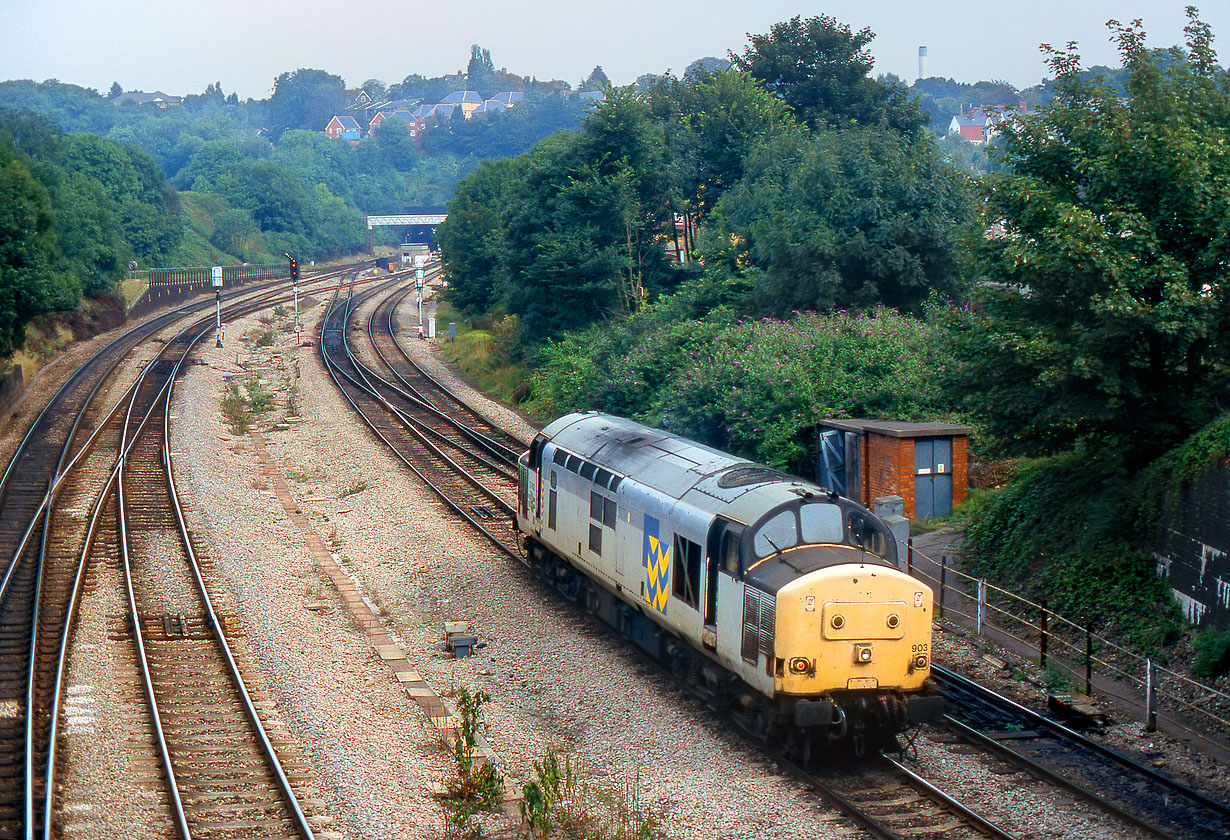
{"x": 1074, "y": 651}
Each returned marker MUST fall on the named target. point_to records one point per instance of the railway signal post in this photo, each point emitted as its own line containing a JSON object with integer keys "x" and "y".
{"x": 418, "y": 284}
{"x": 294, "y": 282}
{"x": 216, "y": 276}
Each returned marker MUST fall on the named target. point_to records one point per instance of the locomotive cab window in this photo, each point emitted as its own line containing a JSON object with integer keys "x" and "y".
{"x": 587, "y": 471}
{"x": 730, "y": 553}
{"x": 865, "y": 534}
{"x": 778, "y": 534}
{"x": 821, "y": 523}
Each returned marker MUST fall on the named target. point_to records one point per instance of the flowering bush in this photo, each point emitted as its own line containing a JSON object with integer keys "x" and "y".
{"x": 753, "y": 387}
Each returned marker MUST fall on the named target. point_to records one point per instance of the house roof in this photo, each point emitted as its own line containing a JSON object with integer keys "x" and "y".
{"x": 491, "y": 106}
{"x": 140, "y": 97}
{"x": 460, "y": 97}
{"x": 347, "y": 123}
{"x": 508, "y": 97}
{"x": 443, "y": 110}
{"x": 965, "y": 121}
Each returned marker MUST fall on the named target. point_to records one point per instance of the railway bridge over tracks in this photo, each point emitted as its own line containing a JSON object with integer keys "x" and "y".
{"x": 421, "y": 218}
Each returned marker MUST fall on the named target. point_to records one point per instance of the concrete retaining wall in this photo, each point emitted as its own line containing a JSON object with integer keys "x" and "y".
{"x": 1193, "y": 551}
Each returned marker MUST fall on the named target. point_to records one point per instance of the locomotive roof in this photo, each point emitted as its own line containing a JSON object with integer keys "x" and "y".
{"x": 674, "y": 465}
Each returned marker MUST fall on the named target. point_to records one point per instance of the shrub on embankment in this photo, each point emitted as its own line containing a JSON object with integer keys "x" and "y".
{"x": 1076, "y": 530}
{"x": 753, "y": 387}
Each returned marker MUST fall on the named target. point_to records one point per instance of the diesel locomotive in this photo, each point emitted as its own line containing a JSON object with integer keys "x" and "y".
{"x": 767, "y": 594}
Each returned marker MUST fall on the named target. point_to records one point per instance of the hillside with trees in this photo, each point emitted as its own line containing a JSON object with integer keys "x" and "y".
{"x": 95, "y": 182}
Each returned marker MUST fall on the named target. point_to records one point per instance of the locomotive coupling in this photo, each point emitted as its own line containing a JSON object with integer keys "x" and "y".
{"x": 813, "y": 713}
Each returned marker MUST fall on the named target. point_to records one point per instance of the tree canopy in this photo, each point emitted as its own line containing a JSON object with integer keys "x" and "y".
{"x": 1105, "y": 307}
{"x": 820, "y": 68}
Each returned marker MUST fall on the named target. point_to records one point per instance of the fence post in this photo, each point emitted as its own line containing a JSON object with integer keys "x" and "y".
{"x": 1088, "y": 661}
{"x": 943, "y": 582}
{"x": 1150, "y": 698}
{"x": 982, "y": 601}
{"x": 909, "y": 556}
{"x": 1042, "y": 641}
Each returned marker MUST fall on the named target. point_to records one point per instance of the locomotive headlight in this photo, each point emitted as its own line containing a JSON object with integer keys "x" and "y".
{"x": 838, "y": 622}
{"x": 862, "y": 654}
{"x": 894, "y": 621}
{"x": 799, "y": 665}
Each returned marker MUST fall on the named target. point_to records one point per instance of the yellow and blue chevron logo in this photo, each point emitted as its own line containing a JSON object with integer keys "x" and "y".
{"x": 657, "y": 559}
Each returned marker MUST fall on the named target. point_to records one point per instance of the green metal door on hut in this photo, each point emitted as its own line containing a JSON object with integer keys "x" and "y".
{"x": 932, "y": 477}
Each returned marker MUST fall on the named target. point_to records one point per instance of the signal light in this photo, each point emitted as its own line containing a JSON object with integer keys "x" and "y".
{"x": 799, "y": 665}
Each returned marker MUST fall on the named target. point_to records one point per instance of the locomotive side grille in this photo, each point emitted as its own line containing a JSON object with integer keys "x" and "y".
{"x": 759, "y": 616}
{"x": 768, "y": 619}
{"x": 751, "y": 623}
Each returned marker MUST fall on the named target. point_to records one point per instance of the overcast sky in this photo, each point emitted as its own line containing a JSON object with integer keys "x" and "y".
{"x": 181, "y": 46}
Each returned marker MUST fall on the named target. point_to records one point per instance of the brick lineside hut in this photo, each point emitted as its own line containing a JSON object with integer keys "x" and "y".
{"x": 926, "y": 464}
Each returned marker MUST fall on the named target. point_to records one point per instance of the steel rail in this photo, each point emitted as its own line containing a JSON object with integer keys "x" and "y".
{"x": 1063, "y": 733}
{"x": 177, "y": 804}
{"x": 417, "y": 399}
{"x": 420, "y": 429}
{"x": 335, "y": 374}
{"x": 505, "y": 453}
{"x": 263, "y": 298}
{"x": 275, "y": 765}
{"x": 415, "y": 425}
{"x": 928, "y": 789}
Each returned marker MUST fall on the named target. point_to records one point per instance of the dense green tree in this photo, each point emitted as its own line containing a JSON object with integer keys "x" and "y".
{"x": 842, "y": 219}
{"x": 305, "y": 99}
{"x": 1105, "y": 318}
{"x": 712, "y": 123}
{"x": 377, "y": 90}
{"x": 27, "y": 248}
{"x": 472, "y": 237}
{"x": 236, "y": 232}
{"x": 91, "y": 238}
{"x": 820, "y": 67}
{"x": 595, "y": 80}
{"x": 480, "y": 72}
{"x": 148, "y": 210}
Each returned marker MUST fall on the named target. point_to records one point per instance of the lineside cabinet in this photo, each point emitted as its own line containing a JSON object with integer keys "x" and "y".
{"x": 926, "y": 464}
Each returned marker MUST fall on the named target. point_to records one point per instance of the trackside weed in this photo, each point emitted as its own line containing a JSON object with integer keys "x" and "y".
{"x": 478, "y": 786}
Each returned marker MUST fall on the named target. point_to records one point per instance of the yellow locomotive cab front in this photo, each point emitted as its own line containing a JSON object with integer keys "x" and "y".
{"x": 853, "y": 627}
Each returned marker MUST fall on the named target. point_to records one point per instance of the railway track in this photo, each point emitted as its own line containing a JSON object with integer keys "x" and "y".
{"x": 872, "y": 798}
{"x": 891, "y": 802}
{"x": 476, "y": 490}
{"x": 382, "y": 331}
{"x": 927, "y": 811}
{"x": 58, "y": 519}
{"x": 1112, "y": 781}
{"x": 224, "y": 776}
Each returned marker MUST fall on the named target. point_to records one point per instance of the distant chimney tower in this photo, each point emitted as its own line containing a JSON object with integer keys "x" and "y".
{"x": 922, "y": 63}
